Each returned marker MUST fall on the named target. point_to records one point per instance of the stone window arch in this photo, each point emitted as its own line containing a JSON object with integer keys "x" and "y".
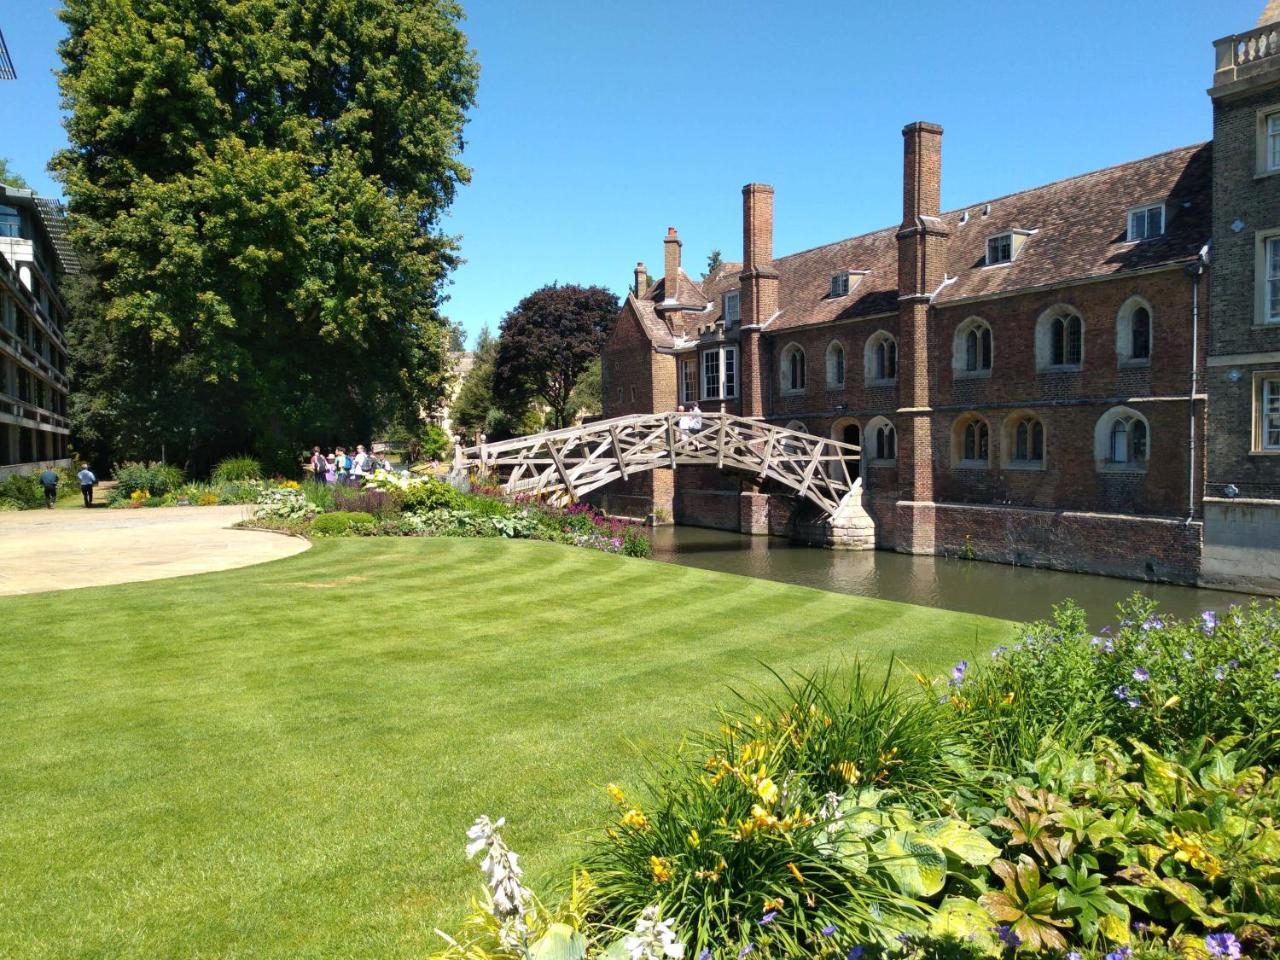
{"x": 881, "y": 358}
{"x": 973, "y": 350}
{"x": 1023, "y": 442}
{"x": 1060, "y": 339}
{"x": 1122, "y": 441}
{"x": 1135, "y": 329}
{"x": 835, "y": 364}
{"x": 793, "y": 369}
{"x": 971, "y": 442}
{"x": 880, "y": 442}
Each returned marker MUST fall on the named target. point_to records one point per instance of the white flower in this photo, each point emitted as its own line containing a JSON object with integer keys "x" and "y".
{"x": 501, "y": 868}
{"x": 653, "y": 938}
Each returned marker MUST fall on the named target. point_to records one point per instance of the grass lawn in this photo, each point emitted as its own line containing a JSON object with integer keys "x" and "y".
{"x": 281, "y": 761}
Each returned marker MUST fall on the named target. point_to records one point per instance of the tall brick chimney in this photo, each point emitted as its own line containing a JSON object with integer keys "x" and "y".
{"x": 759, "y": 292}
{"x": 642, "y": 274}
{"x": 671, "y": 258}
{"x": 922, "y": 261}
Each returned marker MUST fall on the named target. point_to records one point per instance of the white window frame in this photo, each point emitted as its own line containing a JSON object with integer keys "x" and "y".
{"x": 1267, "y": 274}
{"x": 1266, "y": 413}
{"x": 732, "y": 317}
{"x": 688, "y": 379}
{"x": 724, "y": 361}
{"x": 1139, "y": 222}
{"x": 790, "y": 351}
{"x": 1271, "y": 127}
{"x": 959, "y": 431}
{"x": 836, "y": 374}
{"x": 840, "y": 284}
{"x": 1105, "y": 436}
{"x": 1002, "y": 239}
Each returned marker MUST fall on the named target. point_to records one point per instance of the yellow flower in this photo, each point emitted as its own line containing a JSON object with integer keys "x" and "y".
{"x": 1189, "y": 850}
{"x": 615, "y": 794}
{"x": 847, "y": 769}
{"x": 1008, "y": 697}
{"x": 767, "y": 789}
{"x": 661, "y": 869}
{"x": 634, "y": 818}
{"x": 795, "y": 872}
{"x": 772, "y": 904}
{"x": 694, "y": 839}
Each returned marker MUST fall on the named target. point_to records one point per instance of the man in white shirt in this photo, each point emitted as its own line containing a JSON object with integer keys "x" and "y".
{"x": 360, "y": 463}
{"x": 87, "y": 482}
{"x": 695, "y": 417}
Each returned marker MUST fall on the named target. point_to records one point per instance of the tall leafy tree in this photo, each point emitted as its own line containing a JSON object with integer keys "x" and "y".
{"x": 257, "y": 188}
{"x": 475, "y": 410}
{"x": 11, "y": 178}
{"x": 548, "y": 341}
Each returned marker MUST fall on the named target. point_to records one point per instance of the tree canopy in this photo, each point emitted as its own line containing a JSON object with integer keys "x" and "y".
{"x": 256, "y": 187}
{"x": 11, "y": 178}
{"x": 547, "y": 343}
{"x": 475, "y": 410}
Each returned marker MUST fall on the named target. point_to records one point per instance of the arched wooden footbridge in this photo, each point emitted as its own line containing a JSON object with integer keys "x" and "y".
{"x": 570, "y": 463}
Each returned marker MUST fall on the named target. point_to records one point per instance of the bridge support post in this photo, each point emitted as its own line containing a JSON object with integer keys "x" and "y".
{"x": 753, "y": 512}
{"x": 849, "y": 528}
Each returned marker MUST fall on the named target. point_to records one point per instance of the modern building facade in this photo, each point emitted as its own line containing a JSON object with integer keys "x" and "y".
{"x": 34, "y": 254}
{"x": 1085, "y": 375}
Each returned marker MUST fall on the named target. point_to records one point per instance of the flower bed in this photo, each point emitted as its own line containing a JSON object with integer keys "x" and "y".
{"x": 409, "y": 506}
{"x": 1077, "y": 795}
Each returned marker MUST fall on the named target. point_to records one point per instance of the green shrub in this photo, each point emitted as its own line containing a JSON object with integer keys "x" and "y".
{"x": 236, "y": 470}
{"x": 1163, "y": 681}
{"x": 635, "y": 543}
{"x": 342, "y": 522}
{"x": 283, "y": 503}
{"x": 23, "y": 490}
{"x": 153, "y": 479}
{"x": 430, "y": 493}
{"x": 320, "y": 495}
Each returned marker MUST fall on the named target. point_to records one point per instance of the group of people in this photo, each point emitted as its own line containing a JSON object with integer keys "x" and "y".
{"x": 49, "y": 481}
{"x": 689, "y": 421}
{"x": 343, "y": 467}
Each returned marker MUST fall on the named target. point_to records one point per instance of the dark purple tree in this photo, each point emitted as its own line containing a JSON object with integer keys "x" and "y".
{"x": 547, "y": 342}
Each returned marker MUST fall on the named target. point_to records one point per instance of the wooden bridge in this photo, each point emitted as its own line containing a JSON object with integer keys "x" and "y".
{"x": 568, "y": 464}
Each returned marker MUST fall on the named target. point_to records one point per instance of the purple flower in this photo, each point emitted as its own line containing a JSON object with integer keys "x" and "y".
{"x": 1223, "y": 945}
{"x": 1209, "y": 621}
{"x": 1122, "y": 692}
{"x": 1095, "y": 641}
{"x": 1119, "y": 953}
{"x": 1219, "y": 673}
{"x": 1187, "y": 654}
{"x": 998, "y": 652}
{"x": 1276, "y": 675}
{"x": 768, "y": 918}
{"x": 1153, "y": 623}
{"x": 855, "y": 953}
{"x": 704, "y": 953}
{"x": 1140, "y": 674}
{"x": 829, "y": 930}
{"x": 1073, "y": 955}
{"x": 958, "y": 672}
{"x": 745, "y": 950}
{"x": 1007, "y": 936}
{"x": 1109, "y": 646}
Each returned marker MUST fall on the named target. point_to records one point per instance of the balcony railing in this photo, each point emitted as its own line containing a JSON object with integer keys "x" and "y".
{"x": 1244, "y": 54}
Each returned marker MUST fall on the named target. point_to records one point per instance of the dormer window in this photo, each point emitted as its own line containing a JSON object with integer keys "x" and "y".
{"x": 999, "y": 249}
{"x": 1146, "y": 222}
{"x": 840, "y": 284}
{"x": 731, "y": 309}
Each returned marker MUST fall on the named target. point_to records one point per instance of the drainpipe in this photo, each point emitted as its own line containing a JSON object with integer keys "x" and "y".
{"x": 1194, "y": 270}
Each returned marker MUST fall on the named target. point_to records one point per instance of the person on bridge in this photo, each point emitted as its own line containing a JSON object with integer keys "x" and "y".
{"x": 683, "y": 420}
{"x": 49, "y": 480}
{"x": 695, "y": 417}
{"x": 87, "y": 482}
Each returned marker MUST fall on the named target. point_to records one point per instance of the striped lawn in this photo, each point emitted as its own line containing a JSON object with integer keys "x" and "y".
{"x": 281, "y": 761}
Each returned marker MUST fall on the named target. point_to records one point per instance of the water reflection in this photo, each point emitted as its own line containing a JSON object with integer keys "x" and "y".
{"x": 971, "y": 586}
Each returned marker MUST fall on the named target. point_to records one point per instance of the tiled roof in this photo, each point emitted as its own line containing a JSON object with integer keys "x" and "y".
{"x": 1079, "y": 226}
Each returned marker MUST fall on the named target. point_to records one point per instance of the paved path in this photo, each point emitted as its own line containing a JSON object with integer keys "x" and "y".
{"x": 59, "y": 549}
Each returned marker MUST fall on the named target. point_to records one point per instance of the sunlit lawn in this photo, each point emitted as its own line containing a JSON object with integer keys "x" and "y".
{"x": 281, "y": 761}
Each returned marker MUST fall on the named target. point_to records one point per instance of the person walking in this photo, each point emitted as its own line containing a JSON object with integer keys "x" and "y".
{"x": 360, "y": 465}
{"x": 49, "y": 480}
{"x": 319, "y": 466}
{"x": 342, "y": 465}
{"x": 87, "y": 482}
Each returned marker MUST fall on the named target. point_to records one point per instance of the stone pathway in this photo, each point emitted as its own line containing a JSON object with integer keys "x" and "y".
{"x": 60, "y": 549}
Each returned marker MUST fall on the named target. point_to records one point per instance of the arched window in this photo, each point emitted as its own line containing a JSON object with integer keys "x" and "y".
{"x": 1023, "y": 441}
{"x": 881, "y": 441}
{"x": 1060, "y": 339}
{"x": 1122, "y": 440}
{"x": 971, "y": 441}
{"x": 972, "y": 350}
{"x": 793, "y": 373}
{"x": 851, "y": 434}
{"x": 1134, "y": 333}
{"x": 835, "y": 364}
{"x": 881, "y": 358}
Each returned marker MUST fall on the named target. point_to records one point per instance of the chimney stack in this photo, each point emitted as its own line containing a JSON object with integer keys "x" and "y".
{"x": 757, "y": 225}
{"x": 642, "y": 275}
{"x": 921, "y": 171}
{"x": 671, "y": 273}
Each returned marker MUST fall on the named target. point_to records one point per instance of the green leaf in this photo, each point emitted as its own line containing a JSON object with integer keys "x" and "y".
{"x": 917, "y": 866}
{"x": 965, "y": 919}
{"x": 958, "y": 838}
{"x": 560, "y": 942}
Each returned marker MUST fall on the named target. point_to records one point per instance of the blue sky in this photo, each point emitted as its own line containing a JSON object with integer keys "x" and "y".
{"x": 602, "y": 123}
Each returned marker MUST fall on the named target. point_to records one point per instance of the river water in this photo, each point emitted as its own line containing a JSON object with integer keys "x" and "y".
{"x": 970, "y": 586}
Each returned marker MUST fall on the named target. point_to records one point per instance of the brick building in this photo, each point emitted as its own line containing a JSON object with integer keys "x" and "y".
{"x": 1041, "y": 378}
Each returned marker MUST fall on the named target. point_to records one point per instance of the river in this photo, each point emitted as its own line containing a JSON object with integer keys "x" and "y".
{"x": 971, "y": 586}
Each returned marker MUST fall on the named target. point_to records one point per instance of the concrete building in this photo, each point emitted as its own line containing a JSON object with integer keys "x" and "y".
{"x": 1084, "y": 376}
{"x": 34, "y": 254}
